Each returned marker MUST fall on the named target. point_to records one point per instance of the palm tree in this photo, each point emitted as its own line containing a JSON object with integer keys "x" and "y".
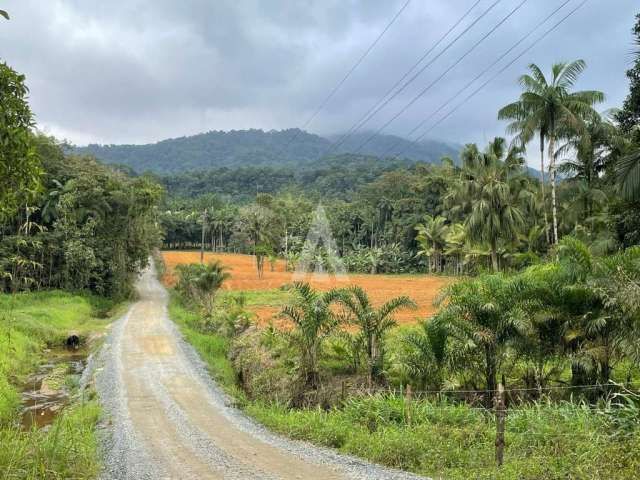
{"x": 628, "y": 175}
{"x": 201, "y": 282}
{"x": 487, "y": 191}
{"x": 374, "y": 323}
{"x": 485, "y": 316}
{"x": 602, "y": 327}
{"x": 456, "y": 241}
{"x": 592, "y": 153}
{"x": 428, "y": 354}
{"x": 547, "y": 108}
{"x": 431, "y": 237}
{"x": 209, "y": 281}
{"x": 313, "y": 320}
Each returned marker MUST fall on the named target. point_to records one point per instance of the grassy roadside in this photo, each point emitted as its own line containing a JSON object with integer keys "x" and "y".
{"x": 30, "y": 323}
{"x": 433, "y": 438}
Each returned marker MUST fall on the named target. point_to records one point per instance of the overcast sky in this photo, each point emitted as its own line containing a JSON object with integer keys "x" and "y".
{"x": 138, "y": 71}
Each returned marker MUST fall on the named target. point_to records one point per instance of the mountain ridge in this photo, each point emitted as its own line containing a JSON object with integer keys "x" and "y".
{"x": 256, "y": 147}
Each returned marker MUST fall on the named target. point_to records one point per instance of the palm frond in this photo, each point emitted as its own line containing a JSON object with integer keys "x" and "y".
{"x": 628, "y": 175}
{"x": 568, "y": 73}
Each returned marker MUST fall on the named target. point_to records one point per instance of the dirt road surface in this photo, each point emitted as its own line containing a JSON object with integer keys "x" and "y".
{"x": 166, "y": 419}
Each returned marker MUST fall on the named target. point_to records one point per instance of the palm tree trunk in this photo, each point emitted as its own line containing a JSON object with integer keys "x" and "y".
{"x": 544, "y": 199}
{"x": 491, "y": 373}
{"x": 494, "y": 256}
{"x": 552, "y": 169}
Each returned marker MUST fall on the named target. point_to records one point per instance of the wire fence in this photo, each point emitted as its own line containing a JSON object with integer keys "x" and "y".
{"x": 498, "y": 411}
{"x": 546, "y": 388}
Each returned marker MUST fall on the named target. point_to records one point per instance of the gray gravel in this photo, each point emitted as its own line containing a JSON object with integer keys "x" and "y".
{"x": 124, "y": 455}
{"x": 127, "y": 456}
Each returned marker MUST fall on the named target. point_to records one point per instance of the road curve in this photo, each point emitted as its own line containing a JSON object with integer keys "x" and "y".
{"x": 166, "y": 419}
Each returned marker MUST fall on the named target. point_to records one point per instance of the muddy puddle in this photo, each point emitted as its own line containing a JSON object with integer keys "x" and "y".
{"x": 48, "y": 391}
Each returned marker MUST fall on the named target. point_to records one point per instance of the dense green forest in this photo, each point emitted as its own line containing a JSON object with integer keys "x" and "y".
{"x": 334, "y": 177}
{"x": 245, "y": 148}
{"x": 67, "y": 221}
{"x": 417, "y": 217}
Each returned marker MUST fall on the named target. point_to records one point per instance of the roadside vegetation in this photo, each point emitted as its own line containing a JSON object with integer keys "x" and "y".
{"x": 73, "y": 234}
{"x": 322, "y": 390}
{"x": 32, "y": 325}
{"x": 547, "y": 306}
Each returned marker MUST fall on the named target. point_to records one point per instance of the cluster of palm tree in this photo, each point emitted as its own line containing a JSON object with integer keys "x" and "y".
{"x": 491, "y": 213}
{"x": 316, "y": 315}
{"x": 496, "y": 214}
{"x": 573, "y": 322}
{"x": 550, "y": 109}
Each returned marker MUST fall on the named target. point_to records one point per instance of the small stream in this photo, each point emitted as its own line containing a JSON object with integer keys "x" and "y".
{"x": 47, "y": 392}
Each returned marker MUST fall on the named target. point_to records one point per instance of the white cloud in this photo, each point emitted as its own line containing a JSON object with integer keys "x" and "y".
{"x": 132, "y": 72}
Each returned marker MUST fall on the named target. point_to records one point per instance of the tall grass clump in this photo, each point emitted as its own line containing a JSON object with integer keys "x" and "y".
{"x": 67, "y": 450}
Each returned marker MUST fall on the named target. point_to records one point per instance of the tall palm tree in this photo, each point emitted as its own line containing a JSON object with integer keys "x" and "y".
{"x": 591, "y": 149}
{"x": 456, "y": 241}
{"x": 487, "y": 192}
{"x": 432, "y": 239}
{"x": 373, "y": 323}
{"x": 547, "y": 107}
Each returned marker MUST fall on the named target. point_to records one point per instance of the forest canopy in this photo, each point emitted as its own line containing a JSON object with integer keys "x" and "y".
{"x": 87, "y": 226}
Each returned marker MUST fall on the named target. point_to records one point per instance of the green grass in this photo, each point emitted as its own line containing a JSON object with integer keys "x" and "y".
{"x": 29, "y": 324}
{"x": 31, "y": 321}
{"x": 457, "y": 442}
{"x": 268, "y": 298}
{"x": 439, "y": 439}
{"x": 67, "y": 450}
{"x": 212, "y": 348}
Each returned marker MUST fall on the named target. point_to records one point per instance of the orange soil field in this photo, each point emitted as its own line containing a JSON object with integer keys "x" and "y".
{"x": 423, "y": 289}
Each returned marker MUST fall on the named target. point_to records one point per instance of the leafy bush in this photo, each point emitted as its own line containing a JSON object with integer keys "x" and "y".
{"x": 201, "y": 282}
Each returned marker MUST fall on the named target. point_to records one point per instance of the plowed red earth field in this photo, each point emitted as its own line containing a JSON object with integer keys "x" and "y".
{"x": 423, "y": 289}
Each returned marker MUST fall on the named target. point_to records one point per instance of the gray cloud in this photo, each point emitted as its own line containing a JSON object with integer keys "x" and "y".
{"x": 139, "y": 71}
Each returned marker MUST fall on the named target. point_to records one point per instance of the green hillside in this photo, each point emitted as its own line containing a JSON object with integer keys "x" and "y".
{"x": 238, "y": 148}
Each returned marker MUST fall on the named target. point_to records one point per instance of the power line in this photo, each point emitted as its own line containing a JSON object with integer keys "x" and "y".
{"x": 475, "y": 92}
{"x": 428, "y": 87}
{"x": 349, "y": 72}
{"x": 377, "y": 106}
{"x": 480, "y": 75}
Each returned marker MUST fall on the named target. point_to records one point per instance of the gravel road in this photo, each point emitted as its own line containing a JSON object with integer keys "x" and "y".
{"x": 166, "y": 419}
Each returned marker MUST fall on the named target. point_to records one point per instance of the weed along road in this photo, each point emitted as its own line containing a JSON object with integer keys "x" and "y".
{"x": 165, "y": 419}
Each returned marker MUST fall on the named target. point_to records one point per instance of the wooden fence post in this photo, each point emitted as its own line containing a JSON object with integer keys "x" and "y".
{"x": 408, "y": 398}
{"x": 500, "y": 421}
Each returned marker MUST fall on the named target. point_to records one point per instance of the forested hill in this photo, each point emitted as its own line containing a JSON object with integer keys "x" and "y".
{"x": 238, "y": 148}
{"x": 337, "y": 177}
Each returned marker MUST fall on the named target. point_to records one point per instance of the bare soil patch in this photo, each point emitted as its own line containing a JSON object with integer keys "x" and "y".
{"x": 423, "y": 289}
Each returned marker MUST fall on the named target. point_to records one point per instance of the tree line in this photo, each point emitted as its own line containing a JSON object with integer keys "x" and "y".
{"x": 66, "y": 221}
{"x": 482, "y": 211}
